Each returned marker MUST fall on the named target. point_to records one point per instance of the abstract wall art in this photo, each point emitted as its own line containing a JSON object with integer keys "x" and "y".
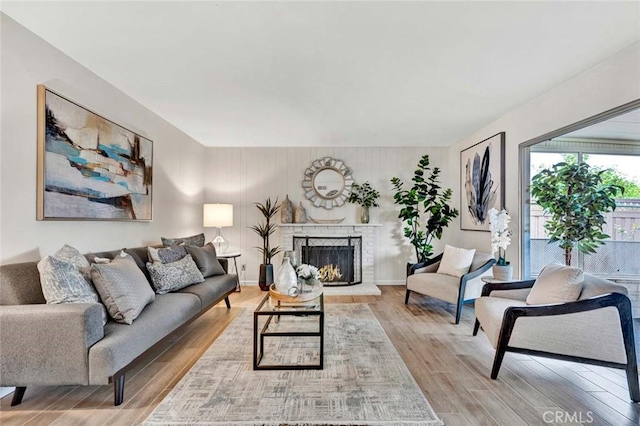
{"x": 89, "y": 168}
{"x": 482, "y": 182}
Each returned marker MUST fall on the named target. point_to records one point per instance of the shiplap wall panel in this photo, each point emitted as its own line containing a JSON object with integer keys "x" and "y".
{"x": 243, "y": 176}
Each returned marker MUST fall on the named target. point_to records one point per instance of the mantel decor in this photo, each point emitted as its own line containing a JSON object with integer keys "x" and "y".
{"x": 482, "y": 182}
{"x": 89, "y": 168}
{"x": 327, "y": 183}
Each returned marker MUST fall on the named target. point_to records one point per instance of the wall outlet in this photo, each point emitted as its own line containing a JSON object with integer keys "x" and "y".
{"x": 243, "y": 267}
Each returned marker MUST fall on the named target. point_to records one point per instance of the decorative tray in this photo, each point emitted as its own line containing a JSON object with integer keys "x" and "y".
{"x": 303, "y": 297}
{"x": 326, "y": 221}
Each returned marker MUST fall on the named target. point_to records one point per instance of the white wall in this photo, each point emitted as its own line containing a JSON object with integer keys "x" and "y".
{"x": 242, "y": 176}
{"x": 611, "y": 83}
{"x": 28, "y": 61}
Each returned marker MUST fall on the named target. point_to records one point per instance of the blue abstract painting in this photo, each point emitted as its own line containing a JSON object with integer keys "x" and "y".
{"x": 90, "y": 167}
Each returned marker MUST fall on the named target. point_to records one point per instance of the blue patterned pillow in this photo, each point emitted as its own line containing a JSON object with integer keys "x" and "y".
{"x": 194, "y": 240}
{"x": 173, "y": 276}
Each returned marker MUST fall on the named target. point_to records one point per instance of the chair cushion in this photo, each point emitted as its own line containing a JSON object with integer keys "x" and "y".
{"x": 490, "y": 311}
{"x": 124, "y": 343}
{"x": 556, "y": 284}
{"x": 123, "y": 288}
{"x": 594, "y": 334}
{"x": 440, "y": 286}
{"x": 456, "y": 261}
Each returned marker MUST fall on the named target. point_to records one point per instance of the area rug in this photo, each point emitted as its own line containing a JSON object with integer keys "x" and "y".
{"x": 364, "y": 380}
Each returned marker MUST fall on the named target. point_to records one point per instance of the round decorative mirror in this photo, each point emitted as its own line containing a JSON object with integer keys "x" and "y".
{"x": 327, "y": 183}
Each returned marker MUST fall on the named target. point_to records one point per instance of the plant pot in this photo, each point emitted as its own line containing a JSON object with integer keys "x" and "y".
{"x": 502, "y": 273}
{"x": 266, "y": 276}
{"x": 364, "y": 215}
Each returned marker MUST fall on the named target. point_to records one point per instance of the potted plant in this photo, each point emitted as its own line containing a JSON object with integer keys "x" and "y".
{"x": 265, "y": 229}
{"x": 575, "y": 197}
{"x": 424, "y": 197}
{"x": 500, "y": 240}
{"x": 366, "y": 197}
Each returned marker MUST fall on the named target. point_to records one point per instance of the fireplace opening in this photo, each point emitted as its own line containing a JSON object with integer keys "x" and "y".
{"x": 339, "y": 259}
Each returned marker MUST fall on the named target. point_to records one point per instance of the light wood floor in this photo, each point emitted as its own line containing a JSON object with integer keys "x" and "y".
{"x": 450, "y": 366}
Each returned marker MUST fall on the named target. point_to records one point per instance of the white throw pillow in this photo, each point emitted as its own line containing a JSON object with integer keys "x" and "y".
{"x": 456, "y": 261}
{"x": 556, "y": 284}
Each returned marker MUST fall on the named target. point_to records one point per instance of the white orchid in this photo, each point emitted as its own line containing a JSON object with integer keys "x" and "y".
{"x": 500, "y": 233}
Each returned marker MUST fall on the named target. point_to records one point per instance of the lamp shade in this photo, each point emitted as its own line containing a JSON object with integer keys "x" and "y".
{"x": 217, "y": 215}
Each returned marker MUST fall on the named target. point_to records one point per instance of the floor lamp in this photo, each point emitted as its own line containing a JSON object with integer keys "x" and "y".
{"x": 218, "y": 216}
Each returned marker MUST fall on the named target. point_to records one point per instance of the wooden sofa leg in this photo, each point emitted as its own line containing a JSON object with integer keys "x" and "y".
{"x": 226, "y": 300}
{"x": 406, "y": 297}
{"x": 17, "y": 395}
{"x": 497, "y": 363}
{"x": 118, "y": 390}
{"x": 476, "y": 327}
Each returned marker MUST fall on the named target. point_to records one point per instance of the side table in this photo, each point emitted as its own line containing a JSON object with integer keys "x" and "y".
{"x": 489, "y": 280}
{"x": 233, "y": 255}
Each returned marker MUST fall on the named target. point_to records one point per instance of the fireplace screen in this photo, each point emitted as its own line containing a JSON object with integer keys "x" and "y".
{"x": 339, "y": 259}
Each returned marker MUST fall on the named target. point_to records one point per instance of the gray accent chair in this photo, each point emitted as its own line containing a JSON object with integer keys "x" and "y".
{"x": 423, "y": 278}
{"x": 66, "y": 344}
{"x": 596, "y": 329}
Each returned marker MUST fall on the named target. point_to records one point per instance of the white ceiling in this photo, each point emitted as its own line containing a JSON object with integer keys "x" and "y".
{"x": 623, "y": 127}
{"x": 333, "y": 73}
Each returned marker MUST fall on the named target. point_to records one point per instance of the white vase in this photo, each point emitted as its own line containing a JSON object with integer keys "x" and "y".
{"x": 502, "y": 273}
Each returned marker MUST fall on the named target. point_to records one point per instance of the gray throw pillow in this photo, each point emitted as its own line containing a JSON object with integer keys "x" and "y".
{"x": 206, "y": 259}
{"x": 194, "y": 240}
{"x": 122, "y": 287}
{"x": 62, "y": 283}
{"x": 556, "y": 284}
{"x": 167, "y": 254}
{"x": 168, "y": 277}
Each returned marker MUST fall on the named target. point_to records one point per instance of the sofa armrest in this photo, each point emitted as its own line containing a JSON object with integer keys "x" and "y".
{"x": 617, "y": 300}
{"x": 48, "y": 344}
{"x": 478, "y": 272}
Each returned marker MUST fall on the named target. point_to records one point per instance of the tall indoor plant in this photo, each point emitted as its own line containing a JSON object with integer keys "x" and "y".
{"x": 500, "y": 240}
{"x": 575, "y": 197}
{"x": 366, "y": 197}
{"x": 425, "y": 197}
{"x": 265, "y": 229}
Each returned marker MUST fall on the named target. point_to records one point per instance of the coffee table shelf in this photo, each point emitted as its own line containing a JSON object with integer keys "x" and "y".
{"x": 276, "y": 315}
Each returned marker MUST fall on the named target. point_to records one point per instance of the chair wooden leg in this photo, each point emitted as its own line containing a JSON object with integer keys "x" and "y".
{"x": 626, "y": 320}
{"x": 406, "y": 297}
{"x": 497, "y": 363}
{"x": 458, "y": 313}
{"x": 118, "y": 390}
{"x": 226, "y": 301}
{"x": 476, "y": 327}
{"x": 17, "y": 395}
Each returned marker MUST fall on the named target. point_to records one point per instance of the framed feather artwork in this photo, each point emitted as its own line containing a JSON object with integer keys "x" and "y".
{"x": 482, "y": 182}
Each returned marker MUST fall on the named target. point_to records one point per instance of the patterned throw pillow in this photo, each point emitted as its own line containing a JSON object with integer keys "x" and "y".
{"x": 167, "y": 254}
{"x": 62, "y": 283}
{"x": 123, "y": 288}
{"x": 206, "y": 259}
{"x": 73, "y": 256}
{"x": 194, "y": 240}
{"x": 168, "y": 277}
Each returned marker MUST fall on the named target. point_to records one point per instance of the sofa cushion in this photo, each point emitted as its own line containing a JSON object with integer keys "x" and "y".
{"x": 212, "y": 289}
{"x": 490, "y": 311}
{"x": 124, "y": 343}
{"x": 73, "y": 256}
{"x": 166, "y": 254}
{"x": 62, "y": 282}
{"x": 123, "y": 288}
{"x": 556, "y": 284}
{"x": 596, "y": 286}
{"x": 206, "y": 259}
{"x": 193, "y": 240}
{"x": 441, "y": 286}
{"x": 173, "y": 276}
{"x": 456, "y": 261}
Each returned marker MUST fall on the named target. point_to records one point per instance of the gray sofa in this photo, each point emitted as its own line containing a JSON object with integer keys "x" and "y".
{"x": 66, "y": 344}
